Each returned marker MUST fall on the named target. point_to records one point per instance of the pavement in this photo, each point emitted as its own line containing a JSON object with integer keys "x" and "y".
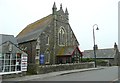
{"x": 52, "y": 74}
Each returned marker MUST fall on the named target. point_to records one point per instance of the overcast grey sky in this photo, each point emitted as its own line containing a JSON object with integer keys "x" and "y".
{"x": 15, "y": 15}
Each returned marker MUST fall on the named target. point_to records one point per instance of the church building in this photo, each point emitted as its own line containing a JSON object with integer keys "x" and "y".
{"x": 50, "y": 40}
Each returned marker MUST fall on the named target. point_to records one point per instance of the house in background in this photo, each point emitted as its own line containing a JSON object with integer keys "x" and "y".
{"x": 50, "y": 40}
{"x": 111, "y": 55}
{"x": 11, "y": 57}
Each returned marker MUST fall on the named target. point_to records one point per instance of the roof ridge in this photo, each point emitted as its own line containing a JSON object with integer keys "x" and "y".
{"x": 6, "y": 35}
{"x": 38, "y": 21}
{"x": 31, "y": 26}
{"x": 101, "y": 49}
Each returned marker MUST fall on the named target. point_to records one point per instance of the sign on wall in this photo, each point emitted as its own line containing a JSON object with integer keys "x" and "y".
{"x": 24, "y": 63}
{"x": 41, "y": 59}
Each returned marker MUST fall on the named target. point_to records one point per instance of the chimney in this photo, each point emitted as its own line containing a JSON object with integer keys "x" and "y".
{"x": 115, "y": 46}
{"x": 95, "y": 47}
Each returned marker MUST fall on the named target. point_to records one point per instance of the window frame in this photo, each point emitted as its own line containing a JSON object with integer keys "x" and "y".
{"x": 62, "y": 37}
{"x": 8, "y": 65}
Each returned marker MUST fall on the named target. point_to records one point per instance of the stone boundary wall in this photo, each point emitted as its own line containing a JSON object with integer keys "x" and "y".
{"x": 62, "y": 67}
{"x": 42, "y": 69}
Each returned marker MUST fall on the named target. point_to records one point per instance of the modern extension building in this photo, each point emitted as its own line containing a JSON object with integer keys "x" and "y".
{"x": 12, "y": 59}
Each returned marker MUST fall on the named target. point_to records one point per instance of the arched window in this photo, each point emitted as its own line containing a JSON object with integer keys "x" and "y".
{"x": 61, "y": 36}
{"x": 47, "y": 56}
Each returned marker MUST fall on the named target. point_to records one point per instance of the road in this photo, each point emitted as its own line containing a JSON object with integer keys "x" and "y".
{"x": 106, "y": 74}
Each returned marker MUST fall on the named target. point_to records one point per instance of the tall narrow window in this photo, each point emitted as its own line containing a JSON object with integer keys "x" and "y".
{"x": 47, "y": 40}
{"x": 61, "y": 36}
{"x": 7, "y": 62}
{"x": 47, "y": 57}
{"x": 71, "y": 38}
{"x": 1, "y": 62}
{"x": 18, "y": 62}
{"x": 13, "y": 61}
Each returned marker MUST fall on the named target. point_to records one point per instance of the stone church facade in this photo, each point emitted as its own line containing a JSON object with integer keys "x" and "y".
{"x": 51, "y": 37}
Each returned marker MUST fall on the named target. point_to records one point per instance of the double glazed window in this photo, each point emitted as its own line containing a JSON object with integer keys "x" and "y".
{"x": 10, "y": 62}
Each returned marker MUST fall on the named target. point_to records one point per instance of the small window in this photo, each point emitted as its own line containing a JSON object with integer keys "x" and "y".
{"x": 47, "y": 40}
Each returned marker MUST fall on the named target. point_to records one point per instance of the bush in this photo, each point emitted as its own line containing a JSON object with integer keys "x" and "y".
{"x": 102, "y": 62}
{"x": 99, "y": 62}
{"x": 87, "y": 59}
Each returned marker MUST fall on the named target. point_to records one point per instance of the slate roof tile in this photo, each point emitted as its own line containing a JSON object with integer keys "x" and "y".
{"x": 66, "y": 50}
{"x": 100, "y": 53}
{"x": 33, "y": 30}
{"x": 4, "y": 38}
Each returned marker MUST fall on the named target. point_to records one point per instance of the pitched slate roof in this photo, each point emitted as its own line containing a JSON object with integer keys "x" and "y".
{"x": 5, "y": 41}
{"x": 4, "y": 48}
{"x": 67, "y": 50}
{"x": 100, "y": 53}
{"x": 33, "y": 30}
{"x": 5, "y": 38}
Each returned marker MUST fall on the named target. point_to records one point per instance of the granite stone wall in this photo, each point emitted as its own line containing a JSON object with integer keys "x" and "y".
{"x": 42, "y": 69}
{"x": 62, "y": 67}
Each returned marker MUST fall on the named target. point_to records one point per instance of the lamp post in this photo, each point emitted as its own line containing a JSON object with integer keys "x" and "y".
{"x": 94, "y": 43}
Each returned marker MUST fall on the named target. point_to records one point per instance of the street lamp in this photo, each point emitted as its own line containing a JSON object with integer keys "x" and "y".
{"x": 94, "y": 43}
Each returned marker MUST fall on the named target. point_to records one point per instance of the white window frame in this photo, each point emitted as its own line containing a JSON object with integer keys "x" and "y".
{"x": 10, "y": 64}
